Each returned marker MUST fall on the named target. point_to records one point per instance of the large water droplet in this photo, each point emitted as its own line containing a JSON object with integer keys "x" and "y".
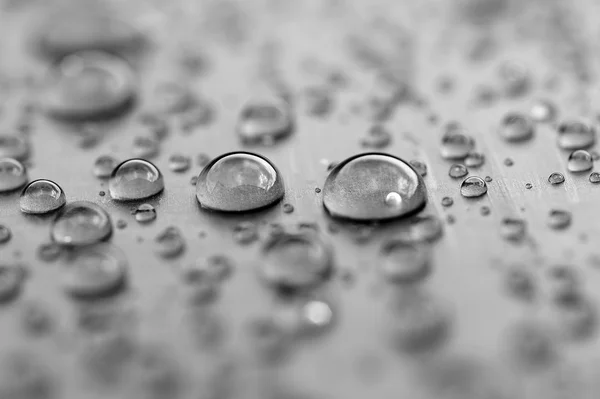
{"x": 404, "y": 263}
{"x": 12, "y": 146}
{"x": 295, "y": 262}
{"x": 238, "y": 182}
{"x": 580, "y": 161}
{"x": 42, "y": 196}
{"x": 89, "y": 85}
{"x": 81, "y": 223}
{"x": 473, "y": 186}
{"x": 575, "y": 135}
{"x": 13, "y": 175}
{"x": 373, "y": 186}
{"x": 135, "y": 179}
{"x": 265, "y": 121}
{"x": 95, "y": 271}
{"x": 516, "y": 127}
{"x": 456, "y": 144}
{"x": 104, "y": 165}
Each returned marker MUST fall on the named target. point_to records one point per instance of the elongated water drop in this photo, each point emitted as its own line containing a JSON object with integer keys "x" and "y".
{"x": 575, "y": 135}
{"x": 265, "y": 121}
{"x": 473, "y": 186}
{"x": 580, "y": 161}
{"x": 373, "y": 186}
{"x": 81, "y": 223}
{"x": 238, "y": 182}
{"x": 42, "y": 196}
{"x": 13, "y": 175}
{"x": 12, "y": 146}
{"x": 135, "y": 179}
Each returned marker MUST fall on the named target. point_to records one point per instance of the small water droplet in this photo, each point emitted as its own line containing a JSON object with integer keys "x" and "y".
{"x": 488, "y": 179}
{"x": 238, "y": 182}
{"x": 515, "y": 79}
{"x": 265, "y": 121}
{"x": 42, "y": 196}
{"x": 174, "y": 98}
{"x": 377, "y": 137}
{"x": 419, "y": 166}
{"x": 473, "y": 186}
{"x": 404, "y": 263}
{"x": 5, "y": 234}
{"x": 528, "y": 186}
{"x": 458, "y": 170}
{"x": 575, "y": 135}
{"x": 145, "y": 147}
{"x": 580, "y": 161}
{"x": 169, "y": 243}
{"x": 421, "y": 229}
{"x": 12, "y": 146}
{"x": 513, "y": 229}
{"x": 121, "y": 224}
{"x": 296, "y": 262}
{"x": 456, "y": 144}
{"x": 485, "y": 210}
{"x": 13, "y": 175}
{"x": 245, "y": 233}
{"x": 288, "y": 208}
{"x": 218, "y": 267}
{"x": 559, "y": 219}
{"x": 519, "y": 283}
{"x": 11, "y": 281}
{"x": 135, "y": 179}
{"x": 532, "y": 345}
{"x": 81, "y": 223}
{"x": 179, "y": 163}
{"x": 543, "y": 111}
{"x": 49, "y": 252}
{"x": 508, "y": 162}
{"x": 447, "y": 202}
{"x": 516, "y": 127}
{"x": 373, "y": 186}
{"x": 319, "y": 102}
{"x": 474, "y": 160}
{"x": 103, "y": 166}
{"x": 595, "y": 177}
{"x": 36, "y": 318}
{"x": 556, "y": 178}
{"x": 145, "y": 213}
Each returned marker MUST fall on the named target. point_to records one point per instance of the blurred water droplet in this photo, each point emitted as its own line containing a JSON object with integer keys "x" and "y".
{"x": 265, "y": 121}
{"x": 516, "y": 127}
{"x": 485, "y": 210}
{"x": 556, "y": 178}
{"x": 319, "y": 102}
{"x": 219, "y": 267}
{"x": 121, "y": 224}
{"x": 13, "y": 175}
{"x": 24, "y": 376}
{"x": 145, "y": 147}
{"x": 245, "y": 233}
{"x": 269, "y": 339}
{"x": 12, "y": 146}
{"x": 456, "y": 144}
{"x": 528, "y": 186}
{"x": 200, "y": 287}
{"x": 580, "y": 161}
{"x": 368, "y": 186}
{"x": 145, "y": 213}
{"x": 174, "y": 98}
{"x": 377, "y": 137}
{"x": 36, "y": 318}
{"x": 513, "y": 229}
{"x": 419, "y": 166}
{"x": 532, "y": 345}
{"x": 458, "y": 170}
{"x": 81, "y": 223}
{"x": 156, "y": 373}
{"x": 543, "y": 111}
{"x": 474, "y": 160}
{"x": 288, "y": 208}
{"x": 42, "y": 196}
{"x": 103, "y": 166}
{"x": 404, "y": 263}
{"x": 559, "y": 219}
{"x": 421, "y": 229}
{"x": 473, "y": 186}
{"x": 5, "y": 234}
{"x": 508, "y": 162}
{"x": 238, "y": 182}
{"x": 575, "y": 135}
{"x": 11, "y": 281}
{"x": 515, "y": 79}
{"x": 135, "y": 179}
{"x": 595, "y": 177}
{"x": 169, "y": 243}
{"x": 447, "y": 202}
{"x": 179, "y": 163}
{"x": 49, "y": 252}
{"x": 519, "y": 283}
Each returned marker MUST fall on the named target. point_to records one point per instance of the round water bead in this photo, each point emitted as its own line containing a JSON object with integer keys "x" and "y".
{"x": 265, "y": 121}
{"x": 238, "y": 182}
{"x": 559, "y": 219}
{"x": 145, "y": 213}
{"x": 11, "y": 281}
{"x": 556, "y": 178}
{"x": 456, "y": 144}
{"x": 104, "y": 165}
{"x": 595, "y": 177}
{"x": 403, "y": 263}
{"x": 5, "y": 234}
{"x": 89, "y": 85}
{"x": 13, "y": 175}
{"x": 474, "y": 160}
{"x": 95, "y": 271}
{"x": 169, "y": 243}
{"x": 12, "y": 146}
{"x": 81, "y": 223}
{"x": 516, "y": 127}
{"x": 580, "y": 161}
{"x": 373, "y": 186}
{"x": 473, "y": 186}
{"x": 575, "y": 135}
{"x": 42, "y": 196}
{"x": 135, "y": 179}
{"x": 293, "y": 262}
{"x": 145, "y": 147}
{"x": 543, "y": 111}
{"x": 457, "y": 171}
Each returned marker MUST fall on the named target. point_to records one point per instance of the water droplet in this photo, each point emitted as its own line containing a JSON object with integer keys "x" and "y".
{"x": 531, "y": 345}
{"x": 565, "y": 285}
{"x": 419, "y": 166}
{"x": 36, "y": 318}
{"x": 11, "y": 281}
{"x": 316, "y": 316}
{"x": 458, "y": 170}
{"x": 103, "y": 166}
{"x": 49, "y": 252}
{"x": 508, "y": 162}
{"x": 580, "y": 161}
{"x": 485, "y": 210}
{"x": 156, "y": 373}
{"x": 404, "y": 263}
{"x": 169, "y": 243}
{"x": 519, "y": 283}
{"x": 89, "y": 85}
{"x": 473, "y": 186}
{"x": 447, "y": 202}
{"x": 238, "y": 182}
{"x": 528, "y": 186}
{"x": 578, "y": 319}
{"x": 179, "y": 163}
{"x": 474, "y": 160}
{"x": 556, "y": 178}
{"x": 5, "y": 234}
{"x": 421, "y": 229}
{"x": 42, "y": 196}
{"x": 13, "y": 175}
{"x": 265, "y": 121}
{"x": 456, "y": 144}
{"x": 12, "y": 146}
{"x": 514, "y": 79}
{"x": 269, "y": 339}
{"x": 200, "y": 287}
{"x": 543, "y": 111}
{"x": 575, "y": 135}
{"x": 488, "y": 179}
{"x": 200, "y": 115}
{"x": 288, "y": 208}
{"x": 595, "y": 177}
{"x": 516, "y": 127}
{"x": 218, "y": 267}
{"x": 81, "y": 223}
{"x": 121, "y": 224}
{"x": 245, "y": 233}
{"x": 23, "y": 375}
{"x": 319, "y": 102}
{"x": 174, "y": 98}
{"x": 373, "y": 186}
{"x": 377, "y": 137}
{"x": 294, "y": 262}
{"x": 145, "y": 213}
{"x": 135, "y": 179}
{"x": 145, "y": 147}
{"x": 95, "y": 271}
{"x": 513, "y": 229}
{"x": 559, "y": 219}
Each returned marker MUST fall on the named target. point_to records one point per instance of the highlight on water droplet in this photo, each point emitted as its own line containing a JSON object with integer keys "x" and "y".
{"x": 42, "y": 196}
{"x": 473, "y": 187}
{"x": 13, "y": 175}
{"x": 81, "y": 223}
{"x": 239, "y": 182}
{"x": 543, "y": 111}
{"x": 135, "y": 179}
{"x": 265, "y": 121}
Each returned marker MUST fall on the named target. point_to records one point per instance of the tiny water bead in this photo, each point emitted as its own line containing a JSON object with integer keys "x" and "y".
{"x": 145, "y": 213}
{"x": 456, "y": 144}
{"x": 81, "y": 223}
{"x": 474, "y": 160}
{"x": 95, "y": 271}
{"x": 5, "y": 234}
{"x": 135, "y": 179}
{"x": 89, "y": 85}
{"x": 595, "y": 177}
{"x": 559, "y": 219}
{"x": 513, "y": 229}
{"x": 103, "y": 166}
{"x": 239, "y": 182}
{"x": 13, "y": 175}
{"x": 473, "y": 187}
{"x": 457, "y": 171}
{"x": 12, "y": 146}
{"x": 265, "y": 121}
{"x": 580, "y": 161}
{"x": 543, "y": 111}
{"x": 179, "y": 163}
{"x": 296, "y": 262}
{"x": 373, "y": 186}
{"x": 516, "y": 127}
{"x": 556, "y": 178}
{"x": 42, "y": 196}
{"x": 169, "y": 243}
{"x": 576, "y": 135}
{"x": 404, "y": 263}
